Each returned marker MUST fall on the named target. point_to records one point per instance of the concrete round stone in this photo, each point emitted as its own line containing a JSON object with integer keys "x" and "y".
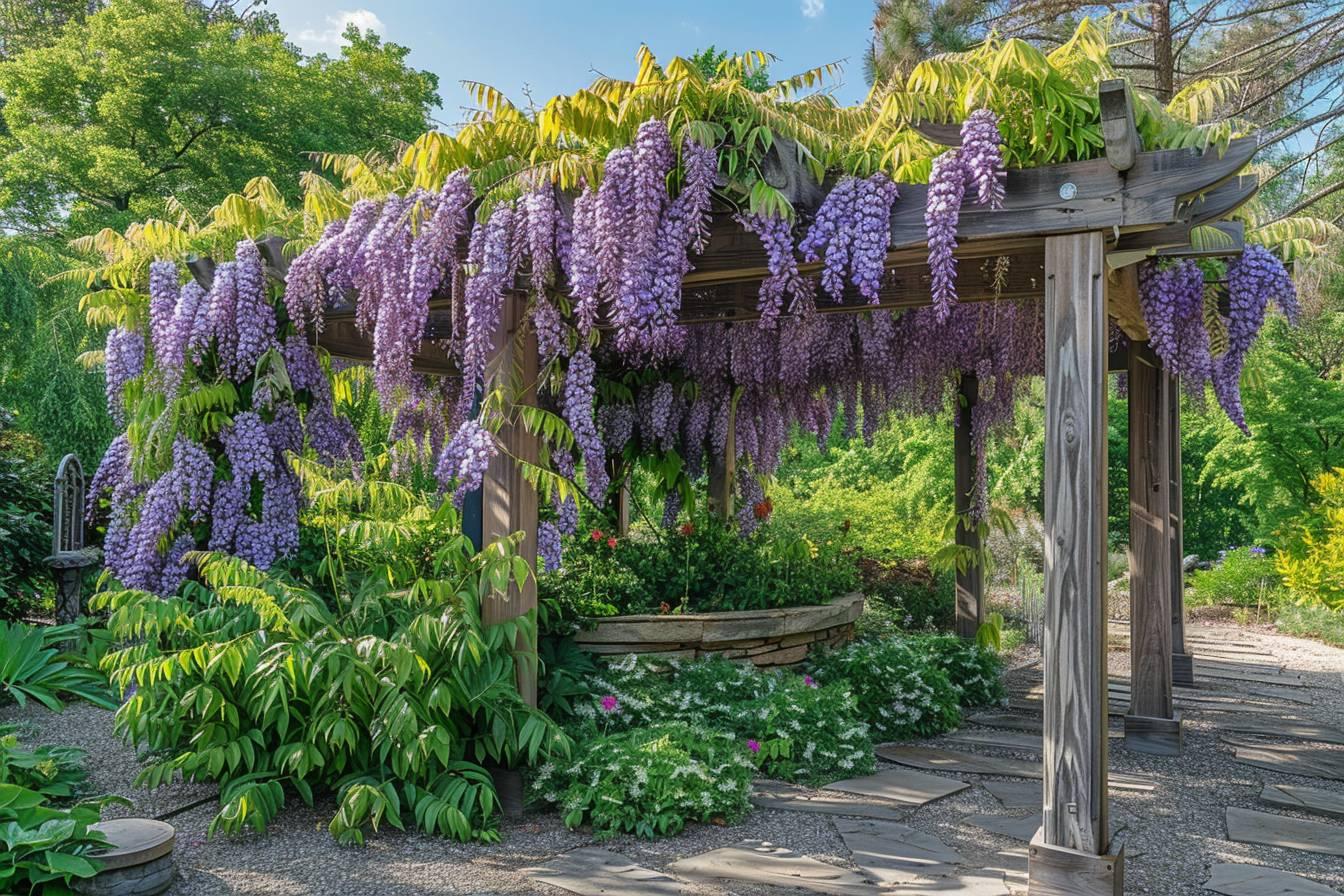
{"x": 137, "y": 862}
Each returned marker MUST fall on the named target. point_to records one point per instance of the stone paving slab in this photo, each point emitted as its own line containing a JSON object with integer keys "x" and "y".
{"x": 1019, "y": 827}
{"x": 1291, "y": 760}
{"x": 1016, "y": 794}
{"x": 1287, "y": 681}
{"x": 1254, "y": 880}
{"x": 776, "y": 795}
{"x": 894, "y": 853}
{"x": 1012, "y": 721}
{"x": 1293, "y": 728}
{"x": 1250, "y": 826}
{"x": 755, "y": 862}
{"x": 934, "y": 759}
{"x": 1304, "y": 799}
{"x": 902, "y": 786}
{"x": 593, "y": 871}
{"x": 972, "y": 883}
{"x": 1021, "y": 741}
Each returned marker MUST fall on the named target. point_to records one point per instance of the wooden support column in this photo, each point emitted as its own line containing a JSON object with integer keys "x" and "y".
{"x": 1070, "y": 853}
{"x": 1182, "y": 663}
{"x": 508, "y": 500}
{"x": 970, "y": 583}
{"x": 723, "y": 472}
{"x": 1151, "y": 725}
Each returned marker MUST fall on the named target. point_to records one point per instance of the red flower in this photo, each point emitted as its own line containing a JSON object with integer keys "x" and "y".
{"x": 664, "y": 608}
{"x": 763, "y": 509}
{"x": 597, "y": 535}
{"x": 687, "y": 529}
{"x": 611, "y": 542}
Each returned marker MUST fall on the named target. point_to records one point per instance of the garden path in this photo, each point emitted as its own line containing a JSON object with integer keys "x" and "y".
{"x": 1176, "y": 834}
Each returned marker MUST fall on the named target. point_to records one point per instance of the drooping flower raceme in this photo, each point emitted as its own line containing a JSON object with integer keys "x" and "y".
{"x": 465, "y": 459}
{"x": 1253, "y": 279}
{"x": 982, "y": 155}
{"x": 124, "y": 358}
{"x": 947, "y": 186}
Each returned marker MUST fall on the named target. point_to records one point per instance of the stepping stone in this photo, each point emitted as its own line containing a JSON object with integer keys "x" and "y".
{"x": 902, "y": 786}
{"x": 974, "y": 764}
{"x": 1250, "y": 826}
{"x": 773, "y": 795}
{"x": 1284, "y": 728}
{"x": 1009, "y": 720}
{"x": 1022, "y": 827}
{"x": 755, "y": 862}
{"x": 1291, "y": 761}
{"x": 1253, "y": 880}
{"x": 1304, "y": 799}
{"x": 1016, "y": 794}
{"x": 935, "y": 759}
{"x": 1004, "y": 740}
{"x": 895, "y": 853}
{"x": 989, "y": 882}
{"x": 1257, "y": 677}
{"x": 593, "y": 871}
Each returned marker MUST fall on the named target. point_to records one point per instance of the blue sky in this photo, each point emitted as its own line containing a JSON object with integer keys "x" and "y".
{"x": 555, "y": 47}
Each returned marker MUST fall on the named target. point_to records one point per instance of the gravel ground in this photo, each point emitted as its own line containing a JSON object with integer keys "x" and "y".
{"x": 1171, "y": 835}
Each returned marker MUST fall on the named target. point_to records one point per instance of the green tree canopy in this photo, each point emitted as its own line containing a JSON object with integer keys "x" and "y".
{"x": 147, "y": 99}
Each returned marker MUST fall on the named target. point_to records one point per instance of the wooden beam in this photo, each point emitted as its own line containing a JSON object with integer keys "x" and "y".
{"x": 970, "y": 584}
{"x": 1151, "y": 725}
{"x": 1123, "y": 301}
{"x": 1182, "y": 663}
{"x": 1118, "y": 130}
{"x": 342, "y": 339}
{"x": 1075, "y": 811}
{"x": 508, "y": 500}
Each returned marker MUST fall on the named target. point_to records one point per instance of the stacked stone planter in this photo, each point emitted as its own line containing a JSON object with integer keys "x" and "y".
{"x": 138, "y": 860}
{"x": 766, "y": 637}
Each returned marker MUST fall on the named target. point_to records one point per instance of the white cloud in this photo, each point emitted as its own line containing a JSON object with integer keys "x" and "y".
{"x": 363, "y": 19}
{"x": 813, "y": 8}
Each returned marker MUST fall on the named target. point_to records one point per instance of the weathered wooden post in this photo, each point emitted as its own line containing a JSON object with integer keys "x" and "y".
{"x": 1151, "y": 725}
{"x": 970, "y": 586}
{"x": 1182, "y": 663}
{"x": 508, "y": 500}
{"x": 69, "y": 559}
{"x": 1070, "y": 856}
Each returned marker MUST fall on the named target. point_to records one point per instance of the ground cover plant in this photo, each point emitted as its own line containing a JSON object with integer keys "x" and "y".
{"x": 649, "y": 781}
{"x": 802, "y": 732}
{"x": 374, "y": 678}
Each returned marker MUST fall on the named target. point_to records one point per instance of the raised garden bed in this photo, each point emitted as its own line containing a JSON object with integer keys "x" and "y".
{"x": 766, "y": 637}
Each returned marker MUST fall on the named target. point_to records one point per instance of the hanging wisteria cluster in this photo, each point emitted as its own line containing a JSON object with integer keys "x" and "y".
{"x": 222, "y": 480}
{"x": 1178, "y": 307}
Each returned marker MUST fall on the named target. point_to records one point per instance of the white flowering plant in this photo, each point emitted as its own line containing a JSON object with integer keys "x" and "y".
{"x": 902, "y": 692}
{"x": 651, "y": 781}
{"x": 975, "y": 671}
{"x": 799, "y": 730}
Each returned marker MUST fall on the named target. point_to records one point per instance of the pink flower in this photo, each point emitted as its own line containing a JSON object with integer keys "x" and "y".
{"x": 809, "y": 681}
{"x": 753, "y": 745}
{"x": 610, "y": 703}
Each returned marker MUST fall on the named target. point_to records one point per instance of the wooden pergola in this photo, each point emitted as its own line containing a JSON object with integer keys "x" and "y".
{"x": 1073, "y": 234}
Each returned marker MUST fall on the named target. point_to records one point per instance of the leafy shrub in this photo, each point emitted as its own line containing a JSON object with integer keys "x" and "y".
{"x": 651, "y": 781}
{"x": 52, "y": 771}
{"x": 1243, "y": 577}
{"x": 33, "y": 666}
{"x": 902, "y": 692}
{"x": 25, "y": 533}
{"x": 910, "y": 592}
{"x": 384, "y": 686}
{"x": 1312, "y": 562}
{"x": 975, "y": 671}
{"x": 702, "y": 566}
{"x": 806, "y": 733}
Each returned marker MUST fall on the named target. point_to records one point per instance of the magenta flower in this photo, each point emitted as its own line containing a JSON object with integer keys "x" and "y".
{"x": 809, "y": 681}
{"x": 753, "y": 745}
{"x": 610, "y": 703}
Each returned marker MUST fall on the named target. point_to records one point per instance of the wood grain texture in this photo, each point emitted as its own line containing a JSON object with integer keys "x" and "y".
{"x": 1057, "y": 871}
{"x": 1118, "y": 130}
{"x": 508, "y": 500}
{"x": 1182, "y": 664}
{"x": 1149, "y": 543}
{"x": 1074, "y": 650}
{"x": 970, "y": 583}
